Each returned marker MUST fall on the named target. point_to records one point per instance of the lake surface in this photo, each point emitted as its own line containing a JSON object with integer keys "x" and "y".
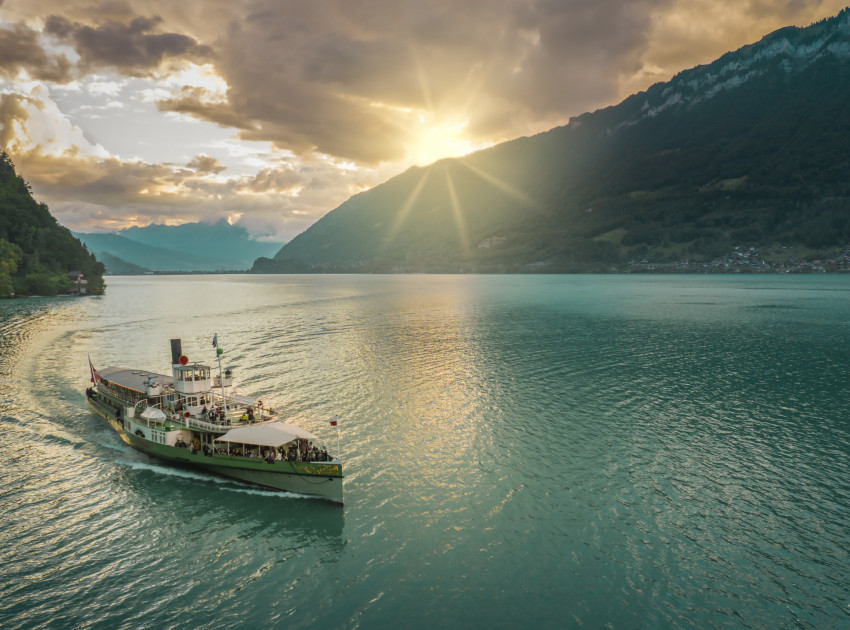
{"x": 521, "y": 451}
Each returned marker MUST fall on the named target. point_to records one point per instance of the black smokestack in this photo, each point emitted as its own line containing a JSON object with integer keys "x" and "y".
{"x": 176, "y": 351}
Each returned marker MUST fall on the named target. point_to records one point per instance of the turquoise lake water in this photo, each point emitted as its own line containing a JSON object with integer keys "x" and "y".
{"x": 520, "y": 451}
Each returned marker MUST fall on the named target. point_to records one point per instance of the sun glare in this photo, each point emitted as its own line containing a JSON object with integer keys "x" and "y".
{"x": 436, "y": 140}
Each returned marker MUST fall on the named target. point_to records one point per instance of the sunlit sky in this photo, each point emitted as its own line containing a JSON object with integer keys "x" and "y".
{"x": 271, "y": 113}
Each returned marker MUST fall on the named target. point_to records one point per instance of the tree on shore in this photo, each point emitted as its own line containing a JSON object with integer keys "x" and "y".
{"x": 36, "y": 253}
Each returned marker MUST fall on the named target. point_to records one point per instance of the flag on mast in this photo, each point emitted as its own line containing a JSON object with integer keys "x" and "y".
{"x": 215, "y": 340}
{"x": 95, "y": 377}
{"x": 333, "y": 423}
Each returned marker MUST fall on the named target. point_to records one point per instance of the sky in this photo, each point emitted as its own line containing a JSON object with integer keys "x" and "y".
{"x": 271, "y": 113}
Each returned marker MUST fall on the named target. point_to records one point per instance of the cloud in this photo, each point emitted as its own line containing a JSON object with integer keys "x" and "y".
{"x": 284, "y": 179}
{"x": 34, "y": 122}
{"x": 89, "y": 190}
{"x": 21, "y": 50}
{"x": 202, "y": 103}
{"x": 206, "y": 165}
{"x": 130, "y": 48}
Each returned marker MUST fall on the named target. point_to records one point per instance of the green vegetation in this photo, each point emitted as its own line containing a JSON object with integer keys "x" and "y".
{"x": 36, "y": 253}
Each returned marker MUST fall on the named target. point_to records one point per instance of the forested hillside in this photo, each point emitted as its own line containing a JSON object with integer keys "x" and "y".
{"x": 36, "y": 253}
{"x": 752, "y": 150}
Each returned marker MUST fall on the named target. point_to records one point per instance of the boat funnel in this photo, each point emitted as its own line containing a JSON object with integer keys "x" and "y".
{"x": 176, "y": 351}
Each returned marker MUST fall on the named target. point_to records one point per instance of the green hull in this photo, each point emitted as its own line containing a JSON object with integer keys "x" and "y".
{"x": 320, "y": 479}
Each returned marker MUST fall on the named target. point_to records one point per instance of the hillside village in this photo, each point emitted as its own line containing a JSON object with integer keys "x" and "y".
{"x": 754, "y": 260}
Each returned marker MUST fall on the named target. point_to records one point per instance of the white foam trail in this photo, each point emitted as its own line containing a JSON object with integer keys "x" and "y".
{"x": 172, "y": 472}
{"x": 231, "y": 485}
{"x": 272, "y": 493}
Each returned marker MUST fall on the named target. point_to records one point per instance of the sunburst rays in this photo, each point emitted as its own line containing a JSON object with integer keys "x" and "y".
{"x": 405, "y": 209}
{"x": 503, "y": 186}
{"x": 457, "y": 211}
{"x": 415, "y": 123}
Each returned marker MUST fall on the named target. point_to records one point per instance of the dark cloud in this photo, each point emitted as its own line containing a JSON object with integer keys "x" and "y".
{"x": 131, "y": 48}
{"x": 583, "y": 49}
{"x": 21, "y": 50}
{"x": 198, "y": 102}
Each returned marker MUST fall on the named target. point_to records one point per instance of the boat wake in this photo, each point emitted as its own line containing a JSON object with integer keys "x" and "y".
{"x": 172, "y": 472}
{"x": 273, "y": 493}
{"x": 231, "y": 485}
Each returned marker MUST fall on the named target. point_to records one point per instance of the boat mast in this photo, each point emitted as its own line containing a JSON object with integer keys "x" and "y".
{"x": 218, "y": 353}
{"x": 335, "y": 425}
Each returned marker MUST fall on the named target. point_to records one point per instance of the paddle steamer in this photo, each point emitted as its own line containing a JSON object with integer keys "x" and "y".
{"x": 193, "y": 417}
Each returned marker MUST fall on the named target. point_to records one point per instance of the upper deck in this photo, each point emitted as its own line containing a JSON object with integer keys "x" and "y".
{"x": 190, "y": 398}
{"x": 139, "y": 381}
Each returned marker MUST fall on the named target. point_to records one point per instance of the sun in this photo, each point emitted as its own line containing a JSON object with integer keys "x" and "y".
{"x": 432, "y": 140}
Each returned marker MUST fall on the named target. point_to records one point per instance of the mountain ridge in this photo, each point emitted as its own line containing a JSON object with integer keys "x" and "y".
{"x": 748, "y": 149}
{"x": 190, "y": 247}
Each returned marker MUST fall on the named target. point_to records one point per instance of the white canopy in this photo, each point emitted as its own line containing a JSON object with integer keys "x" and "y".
{"x": 271, "y": 434}
{"x": 152, "y": 413}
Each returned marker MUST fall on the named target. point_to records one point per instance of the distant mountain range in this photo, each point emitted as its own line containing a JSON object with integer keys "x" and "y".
{"x": 752, "y": 149}
{"x": 188, "y": 247}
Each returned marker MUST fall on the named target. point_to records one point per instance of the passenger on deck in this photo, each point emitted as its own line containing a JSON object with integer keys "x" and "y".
{"x": 250, "y": 414}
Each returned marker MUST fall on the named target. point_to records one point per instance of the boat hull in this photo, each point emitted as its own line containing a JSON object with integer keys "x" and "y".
{"x": 319, "y": 479}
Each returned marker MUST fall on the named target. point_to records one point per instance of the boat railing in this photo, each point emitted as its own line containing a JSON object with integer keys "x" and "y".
{"x": 233, "y": 407}
{"x": 206, "y": 425}
{"x": 239, "y": 404}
